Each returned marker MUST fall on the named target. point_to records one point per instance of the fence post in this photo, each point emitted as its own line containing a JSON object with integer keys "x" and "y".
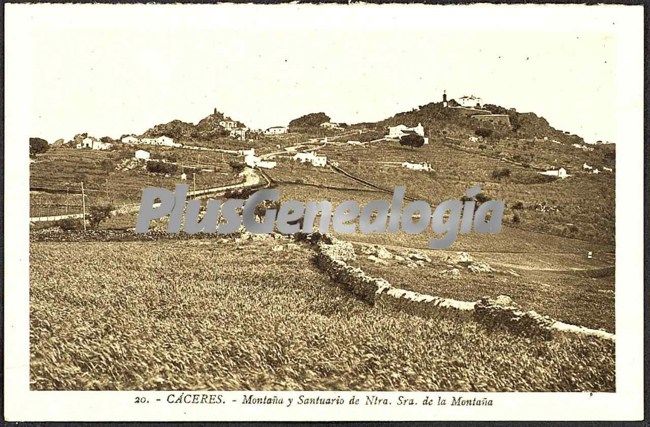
{"x": 83, "y": 205}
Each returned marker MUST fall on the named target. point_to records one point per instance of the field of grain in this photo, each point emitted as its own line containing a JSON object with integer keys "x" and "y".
{"x": 191, "y": 315}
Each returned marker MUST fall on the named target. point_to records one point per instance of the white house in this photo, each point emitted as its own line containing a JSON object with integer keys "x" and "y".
{"x": 469, "y": 101}
{"x": 228, "y": 124}
{"x": 585, "y": 166}
{"x": 560, "y": 173}
{"x": 161, "y": 140}
{"x": 315, "y": 160}
{"x": 276, "y": 130}
{"x": 417, "y": 166}
{"x": 330, "y": 125}
{"x": 605, "y": 168}
{"x": 396, "y": 132}
{"x": 239, "y": 133}
{"x": 94, "y": 144}
{"x": 401, "y": 130}
{"x": 183, "y": 176}
{"x": 595, "y": 171}
{"x": 130, "y": 140}
{"x": 142, "y": 155}
{"x": 249, "y": 152}
{"x": 252, "y": 161}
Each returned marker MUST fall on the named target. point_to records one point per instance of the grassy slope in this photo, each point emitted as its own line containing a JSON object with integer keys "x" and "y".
{"x": 586, "y": 202}
{"x": 192, "y": 315}
{"x": 65, "y": 168}
{"x": 565, "y": 295}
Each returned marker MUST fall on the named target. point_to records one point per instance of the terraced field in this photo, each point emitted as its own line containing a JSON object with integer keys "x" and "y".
{"x": 60, "y": 172}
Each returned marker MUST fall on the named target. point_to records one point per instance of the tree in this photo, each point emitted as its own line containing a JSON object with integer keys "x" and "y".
{"x": 161, "y": 167}
{"x": 483, "y": 132}
{"x": 98, "y": 214}
{"x": 236, "y": 166}
{"x": 412, "y": 140}
{"x": 260, "y": 209}
{"x": 37, "y": 146}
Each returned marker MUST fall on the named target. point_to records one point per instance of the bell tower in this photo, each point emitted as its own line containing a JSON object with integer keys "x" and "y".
{"x": 444, "y": 98}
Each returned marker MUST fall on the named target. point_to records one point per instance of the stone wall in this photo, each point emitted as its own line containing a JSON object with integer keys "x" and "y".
{"x": 332, "y": 257}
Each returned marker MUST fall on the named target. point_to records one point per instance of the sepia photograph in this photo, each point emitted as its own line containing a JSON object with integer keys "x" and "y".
{"x": 292, "y": 207}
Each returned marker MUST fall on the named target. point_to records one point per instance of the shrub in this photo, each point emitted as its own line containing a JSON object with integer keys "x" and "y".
{"x": 516, "y": 219}
{"x": 482, "y": 197}
{"x": 482, "y": 146}
{"x": 161, "y": 167}
{"x": 238, "y": 193}
{"x": 412, "y": 140}
{"x": 518, "y": 206}
{"x": 37, "y": 146}
{"x": 98, "y": 214}
{"x": 69, "y": 224}
{"x": 236, "y": 166}
{"x": 483, "y": 132}
{"x": 501, "y": 173}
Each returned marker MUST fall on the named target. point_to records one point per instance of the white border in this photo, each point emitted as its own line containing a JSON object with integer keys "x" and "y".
{"x": 626, "y": 403}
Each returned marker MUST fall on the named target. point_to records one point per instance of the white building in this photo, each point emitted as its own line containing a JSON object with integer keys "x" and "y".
{"x": 130, "y": 140}
{"x": 417, "y": 166}
{"x": 142, "y": 155}
{"x": 252, "y": 161}
{"x": 396, "y": 132}
{"x": 249, "y": 152}
{"x": 585, "y": 166}
{"x": 239, "y": 133}
{"x": 161, "y": 140}
{"x": 276, "y": 130}
{"x": 401, "y": 130}
{"x": 330, "y": 125}
{"x": 228, "y": 124}
{"x": 469, "y": 101}
{"x": 94, "y": 144}
{"x": 583, "y": 147}
{"x": 605, "y": 168}
{"x": 183, "y": 176}
{"x": 319, "y": 161}
{"x": 560, "y": 173}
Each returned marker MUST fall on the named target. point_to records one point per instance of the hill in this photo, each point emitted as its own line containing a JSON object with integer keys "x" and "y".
{"x": 312, "y": 120}
{"x": 459, "y": 122}
{"x": 215, "y": 125}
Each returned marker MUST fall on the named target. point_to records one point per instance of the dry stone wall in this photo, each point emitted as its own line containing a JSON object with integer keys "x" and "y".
{"x": 332, "y": 257}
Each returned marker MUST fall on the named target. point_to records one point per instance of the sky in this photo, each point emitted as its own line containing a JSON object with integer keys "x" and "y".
{"x": 112, "y": 70}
